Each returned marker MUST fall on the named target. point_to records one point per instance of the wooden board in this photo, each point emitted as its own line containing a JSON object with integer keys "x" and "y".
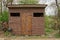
{"x": 26, "y": 24}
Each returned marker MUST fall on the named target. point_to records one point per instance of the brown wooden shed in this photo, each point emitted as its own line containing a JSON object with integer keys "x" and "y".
{"x": 27, "y": 19}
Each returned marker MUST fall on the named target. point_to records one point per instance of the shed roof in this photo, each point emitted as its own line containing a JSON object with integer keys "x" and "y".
{"x": 27, "y": 5}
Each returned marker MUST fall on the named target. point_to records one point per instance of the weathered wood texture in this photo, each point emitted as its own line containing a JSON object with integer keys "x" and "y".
{"x": 26, "y": 24}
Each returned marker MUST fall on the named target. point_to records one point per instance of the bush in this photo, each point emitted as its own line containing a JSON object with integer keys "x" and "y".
{"x": 4, "y": 16}
{"x": 57, "y": 35}
{"x": 49, "y": 23}
{"x": 6, "y": 33}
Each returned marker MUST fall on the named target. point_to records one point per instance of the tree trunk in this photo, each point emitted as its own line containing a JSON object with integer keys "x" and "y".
{"x": 58, "y": 16}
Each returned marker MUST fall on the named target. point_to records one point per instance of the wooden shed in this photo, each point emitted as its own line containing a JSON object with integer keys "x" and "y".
{"x": 27, "y": 19}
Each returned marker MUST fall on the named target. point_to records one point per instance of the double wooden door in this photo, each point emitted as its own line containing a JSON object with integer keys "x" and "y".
{"x": 26, "y": 24}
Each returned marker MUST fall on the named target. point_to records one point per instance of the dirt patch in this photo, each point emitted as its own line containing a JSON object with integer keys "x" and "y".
{"x": 28, "y": 39}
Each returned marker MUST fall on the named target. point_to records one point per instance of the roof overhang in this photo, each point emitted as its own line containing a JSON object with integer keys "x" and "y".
{"x": 27, "y": 6}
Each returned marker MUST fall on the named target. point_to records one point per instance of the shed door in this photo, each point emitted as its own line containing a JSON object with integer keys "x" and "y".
{"x": 26, "y": 24}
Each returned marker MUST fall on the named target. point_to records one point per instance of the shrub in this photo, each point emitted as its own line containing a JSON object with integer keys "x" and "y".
{"x": 4, "y": 16}
{"x": 57, "y": 35}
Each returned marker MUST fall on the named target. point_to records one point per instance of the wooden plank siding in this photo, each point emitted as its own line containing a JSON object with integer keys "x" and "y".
{"x": 26, "y": 23}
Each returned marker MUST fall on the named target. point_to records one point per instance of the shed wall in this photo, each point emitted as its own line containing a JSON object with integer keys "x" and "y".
{"x": 37, "y": 22}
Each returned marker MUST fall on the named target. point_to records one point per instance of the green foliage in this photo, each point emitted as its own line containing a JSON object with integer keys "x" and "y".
{"x": 4, "y": 16}
{"x": 58, "y": 19}
{"x": 57, "y": 35}
{"x": 49, "y": 23}
{"x": 28, "y": 1}
{"x": 48, "y": 30}
{"x": 0, "y": 17}
{"x": 7, "y": 33}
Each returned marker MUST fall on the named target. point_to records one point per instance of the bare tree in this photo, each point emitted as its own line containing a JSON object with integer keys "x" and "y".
{"x": 58, "y": 16}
